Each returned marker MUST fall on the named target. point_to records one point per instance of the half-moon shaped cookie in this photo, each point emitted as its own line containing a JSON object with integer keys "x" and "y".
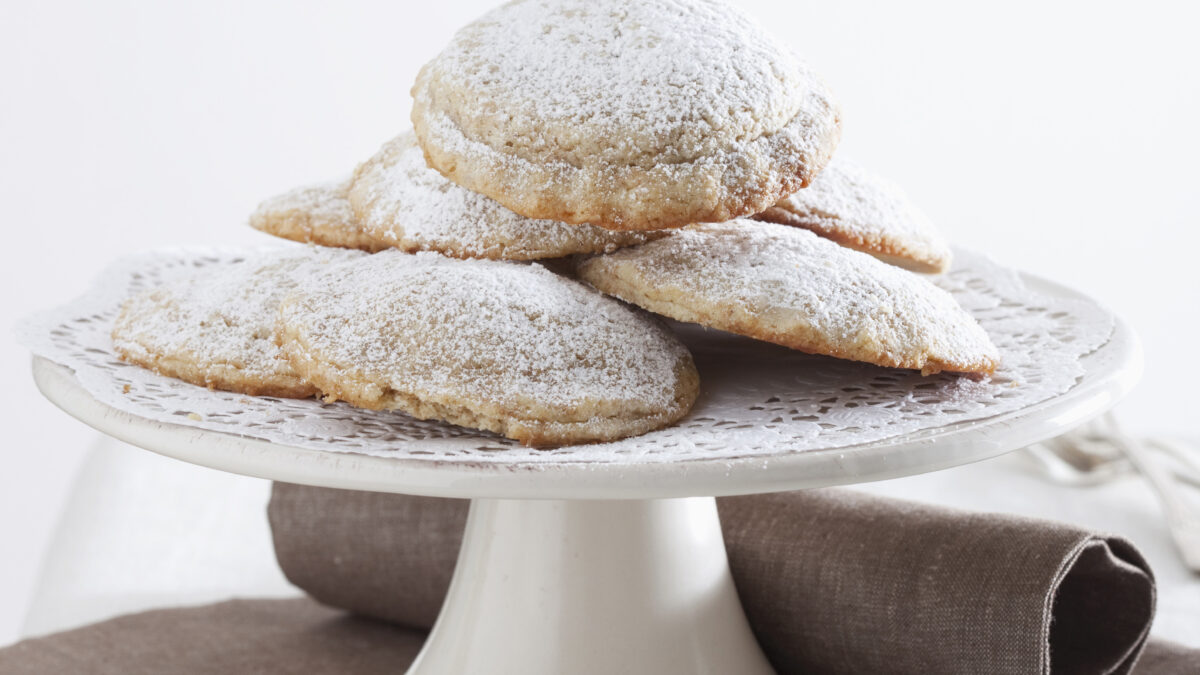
{"x": 216, "y": 328}
{"x": 864, "y": 212}
{"x": 400, "y": 202}
{"x": 315, "y": 214}
{"x": 502, "y": 346}
{"x": 789, "y": 286}
{"x": 628, "y": 115}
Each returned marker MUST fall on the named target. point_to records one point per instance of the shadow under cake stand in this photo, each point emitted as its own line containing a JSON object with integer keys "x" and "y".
{"x": 575, "y": 565}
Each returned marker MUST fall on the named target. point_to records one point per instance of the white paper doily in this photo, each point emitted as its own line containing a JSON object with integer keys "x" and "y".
{"x": 756, "y": 399}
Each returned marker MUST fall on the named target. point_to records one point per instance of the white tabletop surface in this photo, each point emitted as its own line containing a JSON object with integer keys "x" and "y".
{"x": 131, "y": 125}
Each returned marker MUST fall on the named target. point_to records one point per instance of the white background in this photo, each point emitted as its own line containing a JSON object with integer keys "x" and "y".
{"x": 1060, "y": 137}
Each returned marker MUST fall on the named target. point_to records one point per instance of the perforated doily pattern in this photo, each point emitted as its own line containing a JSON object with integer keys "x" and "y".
{"x": 756, "y": 399}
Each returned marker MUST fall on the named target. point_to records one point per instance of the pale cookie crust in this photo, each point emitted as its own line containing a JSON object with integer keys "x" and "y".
{"x": 216, "y": 329}
{"x": 789, "y": 286}
{"x": 495, "y": 345}
{"x": 627, "y": 115}
{"x": 401, "y": 202}
{"x": 857, "y": 209}
{"x": 315, "y": 214}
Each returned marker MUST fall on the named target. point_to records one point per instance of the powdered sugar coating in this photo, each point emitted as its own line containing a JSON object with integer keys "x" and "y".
{"x": 856, "y": 208}
{"x": 215, "y": 328}
{"x": 628, "y": 115}
{"x": 314, "y": 214}
{"x": 760, "y": 401}
{"x": 401, "y": 202}
{"x": 503, "y": 346}
{"x": 789, "y": 286}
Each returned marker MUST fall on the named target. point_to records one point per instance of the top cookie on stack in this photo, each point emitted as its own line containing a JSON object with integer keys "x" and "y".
{"x": 627, "y": 115}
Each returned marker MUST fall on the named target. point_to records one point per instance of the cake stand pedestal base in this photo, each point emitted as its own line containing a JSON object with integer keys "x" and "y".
{"x": 547, "y": 587}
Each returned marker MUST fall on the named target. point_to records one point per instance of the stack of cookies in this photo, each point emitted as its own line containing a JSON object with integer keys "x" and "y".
{"x": 665, "y": 157}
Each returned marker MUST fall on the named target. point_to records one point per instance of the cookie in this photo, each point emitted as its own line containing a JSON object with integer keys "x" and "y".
{"x": 789, "y": 286}
{"x": 495, "y": 345}
{"x": 867, "y": 213}
{"x": 216, "y": 328}
{"x": 315, "y": 214}
{"x": 627, "y": 115}
{"x": 399, "y": 201}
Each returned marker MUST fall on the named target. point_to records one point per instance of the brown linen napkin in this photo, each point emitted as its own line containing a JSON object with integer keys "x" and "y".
{"x": 282, "y": 637}
{"x": 398, "y": 571}
{"x": 832, "y": 581}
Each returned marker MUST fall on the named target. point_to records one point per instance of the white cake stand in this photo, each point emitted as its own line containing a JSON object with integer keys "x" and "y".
{"x": 573, "y": 566}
